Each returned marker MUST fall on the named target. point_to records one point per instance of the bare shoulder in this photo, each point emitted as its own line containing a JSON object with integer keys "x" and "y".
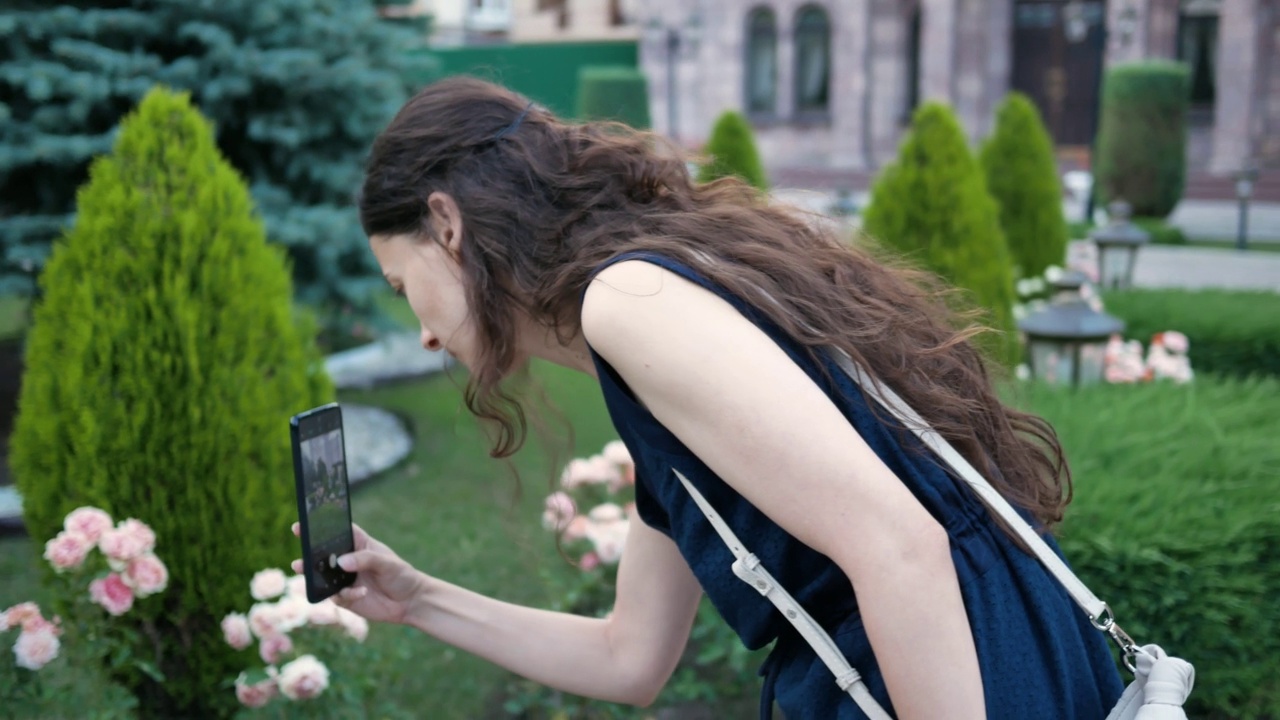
{"x": 634, "y": 300}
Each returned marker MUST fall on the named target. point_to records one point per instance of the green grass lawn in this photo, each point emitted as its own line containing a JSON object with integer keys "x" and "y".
{"x": 452, "y": 511}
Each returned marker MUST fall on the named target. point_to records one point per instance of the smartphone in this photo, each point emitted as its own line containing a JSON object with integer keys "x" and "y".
{"x": 324, "y": 499}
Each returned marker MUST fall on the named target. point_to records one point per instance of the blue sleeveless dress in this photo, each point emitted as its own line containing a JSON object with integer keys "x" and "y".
{"x": 1040, "y": 657}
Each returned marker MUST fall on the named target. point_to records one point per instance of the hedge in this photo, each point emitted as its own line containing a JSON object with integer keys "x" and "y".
{"x": 1176, "y": 524}
{"x": 1232, "y": 332}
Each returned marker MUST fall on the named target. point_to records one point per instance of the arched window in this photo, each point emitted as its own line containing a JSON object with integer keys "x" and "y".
{"x": 913, "y": 65}
{"x": 762, "y": 62}
{"x": 813, "y": 60}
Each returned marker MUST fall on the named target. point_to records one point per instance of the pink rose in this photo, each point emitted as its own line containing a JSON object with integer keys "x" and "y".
{"x": 257, "y": 694}
{"x": 354, "y": 625}
{"x": 609, "y": 539}
{"x": 606, "y": 512}
{"x": 130, "y": 539}
{"x": 590, "y": 561}
{"x": 268, "y": 584}
{"x": 577, "y": 528}
{"x": 1176, "y": 342}
{"x": 36, "y": 648}
{"x": 558, "y": 511}
{"x": 273, "y": 647}
{"x": 303, "y": 678}
{"x": 89, "y": 522}
{"x": 617, "y": 453}
{"x": 296, "y": 586}
{"x": 263, "y": 619}
{"x": 292, "y": 613}
{"x": 22, "y": 614}
{"x": 596, "y": 470}
{"x": 147, "y": 575}
{"x": 112, "y": 594}
{"x": 67, "y": 551}
{"x": 235, "y": 630}
{"x": 324, "y": 612}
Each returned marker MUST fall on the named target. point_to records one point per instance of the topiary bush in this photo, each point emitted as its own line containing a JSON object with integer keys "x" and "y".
{"x": 1232, "y": 332}
{"x": 1142, "y": 136}
{"x": 932, "y": 204}
{"x": 1176, "y": 524}
{"x": 731, "y": 151}
{"x": 615, "y": 93}
{"x": 163, "y": 364}
{"x": 1022, "y": 175}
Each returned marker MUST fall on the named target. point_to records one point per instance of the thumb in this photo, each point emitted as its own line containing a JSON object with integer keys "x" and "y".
{"x": 363, "y": 560}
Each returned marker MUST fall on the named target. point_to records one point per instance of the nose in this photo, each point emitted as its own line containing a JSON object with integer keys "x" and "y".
{"x": 429, "y": 341}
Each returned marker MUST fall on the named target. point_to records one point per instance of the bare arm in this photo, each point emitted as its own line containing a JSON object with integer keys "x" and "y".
{"x": 738, "y": 401}
{"x": 625, "y": 658}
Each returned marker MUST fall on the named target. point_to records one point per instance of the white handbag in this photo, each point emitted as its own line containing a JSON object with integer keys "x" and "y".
{"x": 1161, "y": 683}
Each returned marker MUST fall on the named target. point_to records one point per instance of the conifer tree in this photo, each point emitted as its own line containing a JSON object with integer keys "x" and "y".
{"x": 162, "y": 367}
{"x": 931, "y": 204}
{"x": 296, "y": 89}
{"x": 1022, "y": 175}
{"x": 732, "y": 151}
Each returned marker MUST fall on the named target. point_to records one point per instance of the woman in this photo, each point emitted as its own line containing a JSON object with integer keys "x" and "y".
{"x": 708, "y": 317}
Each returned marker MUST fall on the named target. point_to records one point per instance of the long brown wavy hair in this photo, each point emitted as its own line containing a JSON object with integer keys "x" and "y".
{"x": 545, "y": 202}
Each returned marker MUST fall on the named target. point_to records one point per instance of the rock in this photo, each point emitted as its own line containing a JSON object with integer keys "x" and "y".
{"x": 395, "y": 357}
{"x": 375, "y": 441}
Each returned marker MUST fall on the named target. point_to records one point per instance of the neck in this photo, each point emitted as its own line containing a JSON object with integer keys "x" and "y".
{"x": 574, "y": 354}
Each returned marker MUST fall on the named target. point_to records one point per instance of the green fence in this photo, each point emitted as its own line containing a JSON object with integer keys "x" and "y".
{"x": 545, "y": 72}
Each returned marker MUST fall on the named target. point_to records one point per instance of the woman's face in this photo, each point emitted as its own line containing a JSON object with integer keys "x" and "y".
{"x": 427, "y": 272}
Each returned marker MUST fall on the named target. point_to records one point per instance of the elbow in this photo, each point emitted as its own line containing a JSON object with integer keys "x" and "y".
{"x": 922, "y": 547}
{"x": 643, "y": 688}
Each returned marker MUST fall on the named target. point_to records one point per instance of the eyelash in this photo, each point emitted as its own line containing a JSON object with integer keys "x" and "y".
{"x": 400, "y": 292}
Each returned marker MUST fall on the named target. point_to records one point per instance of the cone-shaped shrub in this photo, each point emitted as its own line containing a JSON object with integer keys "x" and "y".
{"x": 1022, "y": 176}
{"x": 731, "y": 151}
{"x": 932, "y": 205}
{"x": 1142, "y": 136}
{"x": 162, "y": 367}
{"x": 620, "y": 94}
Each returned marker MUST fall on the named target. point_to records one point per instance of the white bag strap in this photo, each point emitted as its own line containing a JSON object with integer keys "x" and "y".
{"x": 1095, "y": 608}
{"x": 748, "y": 569}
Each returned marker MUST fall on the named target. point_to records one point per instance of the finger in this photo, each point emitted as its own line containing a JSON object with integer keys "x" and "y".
{"x": 362, "y": 538}
{"x": 297, "y": 529}
{"x": 349, "y": 595}
{"x": 363, "y": 560}
{"x": 297, "y": 566}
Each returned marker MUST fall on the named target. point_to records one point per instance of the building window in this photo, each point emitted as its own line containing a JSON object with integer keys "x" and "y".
{"x": 912, "y": 98}
{"x": 813, "y": 61}
{"x": 762, "y": 62}
{"x": 1198, "y": 48}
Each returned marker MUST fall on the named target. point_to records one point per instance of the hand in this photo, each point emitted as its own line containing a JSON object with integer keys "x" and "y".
{"x": 386, "y": 586}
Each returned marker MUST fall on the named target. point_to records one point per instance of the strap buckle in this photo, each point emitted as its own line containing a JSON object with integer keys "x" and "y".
{"x": 1106, "y": 622}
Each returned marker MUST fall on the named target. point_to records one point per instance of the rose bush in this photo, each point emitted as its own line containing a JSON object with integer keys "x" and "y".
{"x": 101, "y": 569}
{"x": 303, "y": 651}
{"x": 1123, "y": 361}
{"x": 590, "y": 515}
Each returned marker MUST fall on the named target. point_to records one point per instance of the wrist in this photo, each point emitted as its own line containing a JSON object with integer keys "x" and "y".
{"x": 419, "y": 609}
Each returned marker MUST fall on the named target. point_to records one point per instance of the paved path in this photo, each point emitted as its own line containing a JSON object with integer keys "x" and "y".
{"x": 1170, "y": 266}
{"x": 1210, "y": 220}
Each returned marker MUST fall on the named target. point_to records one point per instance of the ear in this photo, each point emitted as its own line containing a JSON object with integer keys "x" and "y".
{"x": 447, "y": 221}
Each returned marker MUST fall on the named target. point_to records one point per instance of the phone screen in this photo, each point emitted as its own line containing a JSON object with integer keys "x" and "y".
{"x": 324, "y": 500}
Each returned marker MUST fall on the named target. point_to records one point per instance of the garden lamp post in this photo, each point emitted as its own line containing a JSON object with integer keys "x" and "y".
{"x": 1244, "y": 191}
{"x": 1067, "y": 339}
{"x": 1118, "y": 243}
{"x": 675, "y": 40}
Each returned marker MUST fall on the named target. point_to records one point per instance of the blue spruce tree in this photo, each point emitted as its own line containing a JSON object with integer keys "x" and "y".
{"x": 296, "y": 90}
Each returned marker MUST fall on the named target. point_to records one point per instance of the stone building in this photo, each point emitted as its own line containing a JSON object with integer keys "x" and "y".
{"x": 830, "y": 84}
